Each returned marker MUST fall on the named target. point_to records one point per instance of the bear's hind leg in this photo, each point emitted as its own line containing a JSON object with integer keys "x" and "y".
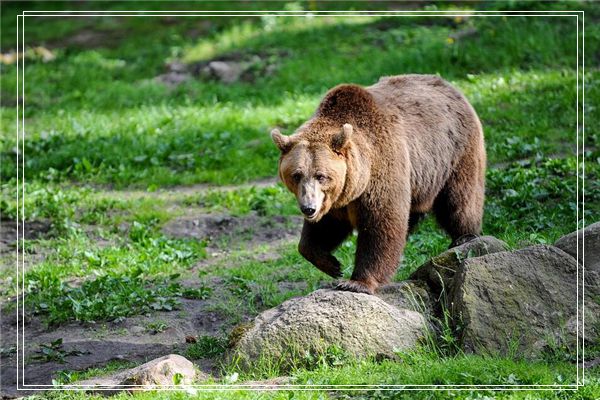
{"x": 413, "y": 220}
{"x": 459, "y": 206}
{"x": 320, "y": 239}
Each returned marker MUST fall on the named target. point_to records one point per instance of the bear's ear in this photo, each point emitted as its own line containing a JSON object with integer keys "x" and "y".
{"x": 342, "y": 139}
{"x": 283, "y": 142}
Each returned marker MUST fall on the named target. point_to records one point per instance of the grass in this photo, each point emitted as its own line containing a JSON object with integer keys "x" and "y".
{"x": 108, "y": 148}
{"x": 207, "y": 132}
{"x": 206, "y": 347}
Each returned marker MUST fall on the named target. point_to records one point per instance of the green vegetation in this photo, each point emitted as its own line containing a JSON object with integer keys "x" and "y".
{"x": 110, "y": 152}
{"x": 206, "y": 346}
{"x": 106, "y": 297}
{"x": 53, "y": 352}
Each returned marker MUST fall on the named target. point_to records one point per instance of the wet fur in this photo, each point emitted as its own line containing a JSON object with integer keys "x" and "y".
{"x": 417, "y": 146}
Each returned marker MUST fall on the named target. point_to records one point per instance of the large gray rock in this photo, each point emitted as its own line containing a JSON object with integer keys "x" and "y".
{"x": 588, "y": 240}
{"x": 410, "y": 295}
{"x": 522, "y": 301}
{"x": 361, "y": 324}
{"x": 439, "y": 271}
{"x": 588, "y": 236}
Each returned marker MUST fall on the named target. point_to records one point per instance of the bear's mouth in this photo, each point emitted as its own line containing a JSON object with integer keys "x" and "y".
{"x": 311, "y": 218}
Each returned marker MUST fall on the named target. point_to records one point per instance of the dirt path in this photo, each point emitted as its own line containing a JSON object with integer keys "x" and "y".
{"x": 179, "y": 192}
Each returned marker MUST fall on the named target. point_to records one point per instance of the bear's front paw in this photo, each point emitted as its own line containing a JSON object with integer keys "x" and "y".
{"x": 331, "y": 267}
{"x": 354, "y": 286}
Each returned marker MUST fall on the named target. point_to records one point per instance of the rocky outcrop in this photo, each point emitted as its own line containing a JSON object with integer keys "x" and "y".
{"x": 524, "y": 301}
{"x": 360, "y": 324}
{"x": 410, "y": 295}
{"x": 500, "y": 302}
{"x": 439, "y": 271}
{"x": 588, "y": 240}
{"x": 584, "y": 245}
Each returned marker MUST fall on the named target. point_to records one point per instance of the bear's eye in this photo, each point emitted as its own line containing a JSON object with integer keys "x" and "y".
{"x": 297, "y": 176}
{"x": 321, "y": 178}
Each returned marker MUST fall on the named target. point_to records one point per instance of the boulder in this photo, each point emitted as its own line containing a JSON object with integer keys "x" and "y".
{"x": 411, "y": 295}
{"x": 439, "y": 271}
{"x": 524, "y": 301}
{"x": 361, "y": 324}
{"x": 588, "y": 236}
{"x": 165, "y": 371}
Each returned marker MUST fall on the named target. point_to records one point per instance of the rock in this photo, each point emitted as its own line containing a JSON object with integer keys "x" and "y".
{"x": 160, "y": 372}
{"x": 463, "y": 33}
{"x": 137, "y": 330}
{"x": 521, "y": 301}
{"x": 225, "y": 71}
{"x": 360, "y": 324}
{"x": 590, "y": 236}
{"x": 439, "y": 271}
{"x": 173, "y": 78}
{"x": 411, "y": 295}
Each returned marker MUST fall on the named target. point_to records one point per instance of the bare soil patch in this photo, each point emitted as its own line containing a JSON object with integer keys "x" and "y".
{"x": 9, "y": 230}
{"x": 177, "y": 193}
{"x": 226, "y": 231}
{"x": 132, "y": 339}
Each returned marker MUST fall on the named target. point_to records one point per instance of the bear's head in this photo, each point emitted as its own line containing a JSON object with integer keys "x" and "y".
{"x": 313, "y": 166}
{"x": 326, "y": 163}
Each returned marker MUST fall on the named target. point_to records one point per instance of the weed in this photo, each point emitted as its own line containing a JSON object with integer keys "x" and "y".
{"x": 108, "y": 297}
{"x": 156, "y": 327}
{"x": 69, "y": 376}
{"x": 53, "y": 351}
{"x": 201, "y": 293}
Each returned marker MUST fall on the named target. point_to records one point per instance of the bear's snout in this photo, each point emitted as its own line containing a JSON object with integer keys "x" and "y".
{"x": 308, "y": 210}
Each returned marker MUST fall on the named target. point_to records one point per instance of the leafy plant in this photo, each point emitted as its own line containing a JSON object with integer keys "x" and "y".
{"x": 109, "y": 296}
{"x": 53, "y": 351}
{"x": 156, "y": 327}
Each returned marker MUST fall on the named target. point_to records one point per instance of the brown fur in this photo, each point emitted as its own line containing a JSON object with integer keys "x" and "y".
{"x": 415, "y": 145}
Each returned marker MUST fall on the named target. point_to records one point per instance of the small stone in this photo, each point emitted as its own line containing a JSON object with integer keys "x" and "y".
{"x": 190, "y": 339}
{"x": 226, "y": 72}
{"x": 136, "y": 330}
{"x": 166, "y": 371}
{"x": 160, "y": 372}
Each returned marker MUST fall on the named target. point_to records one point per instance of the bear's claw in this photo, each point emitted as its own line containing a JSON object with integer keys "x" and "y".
{"x": 354, "y": 286}
{"x": 335, "y": 274}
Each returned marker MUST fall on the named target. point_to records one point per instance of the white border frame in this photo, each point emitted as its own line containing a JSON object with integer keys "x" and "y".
{"x": 222, "y": 387}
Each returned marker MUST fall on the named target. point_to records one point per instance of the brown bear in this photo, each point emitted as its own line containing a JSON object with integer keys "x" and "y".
{"x": 376, "y": 159}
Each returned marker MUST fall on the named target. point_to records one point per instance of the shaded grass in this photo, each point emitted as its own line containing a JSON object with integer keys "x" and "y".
{"x": 208, "y": 132}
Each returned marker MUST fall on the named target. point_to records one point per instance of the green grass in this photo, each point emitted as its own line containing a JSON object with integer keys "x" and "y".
{"x": 106, "y": 144}
{"x": 206, "y": 346}
{"x": 207, "y": 132}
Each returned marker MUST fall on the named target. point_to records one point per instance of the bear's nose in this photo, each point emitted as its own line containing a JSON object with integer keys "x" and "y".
{"x": 307, "y": 210}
